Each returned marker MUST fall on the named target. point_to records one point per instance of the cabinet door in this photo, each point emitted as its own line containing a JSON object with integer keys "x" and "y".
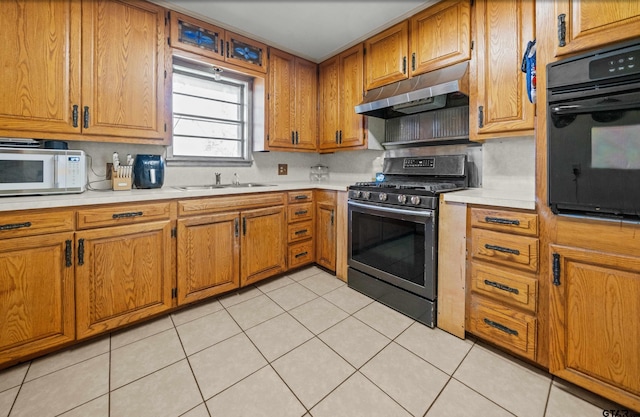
{"x": 589, "y": 24}
{"x": 326, "y": 235}
{"x": 386, "y": 56}
{"x": 264, "y": 242}
{"x": 330, "y": 110}
{"x": 208, "y": 256}
{"x": 593, "y": 315}
{"x": 196, "y": 36}
{"x": 281, "y": 99}
{"x": 40, "y": 58}
{"x": 123, "y": 69}
{"x": 245, "y": 52}
{"x": 352, "y": 132}
{"x": 306, "y": 104}
{"x": 123, "y": 274}
{"x": 36, "y": 294}
{"x": 441, "y": 36}
{"x": 499, "y": 105}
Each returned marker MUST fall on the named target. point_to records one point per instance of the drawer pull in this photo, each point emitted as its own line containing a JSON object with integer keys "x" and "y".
{"x": 125, "y": 215}
{"x": 301, "y": 254}
{"x": 502, "y": 249}
{"x": 498, "y": 220}
{"x": 301, "y": 197}
{"x": 301, "y": 212}
{"x": 15, "y": 226}
{"x": 301, "y": 232}
{"x": 501, "y": 286}
{"x": 501, "y": 327}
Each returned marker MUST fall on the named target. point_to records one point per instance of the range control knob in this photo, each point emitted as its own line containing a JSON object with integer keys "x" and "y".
{"x": 402, "y": 198}
{"x": 357, "y": 194}
{"x": 382, "y": 196}
{"x": 366, "y": 195}
{"x": 415, "y": 200}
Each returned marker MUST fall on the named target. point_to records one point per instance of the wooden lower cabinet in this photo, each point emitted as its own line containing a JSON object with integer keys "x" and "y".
{"x": 326, "y": 229}
{"x": 36, "y": 295}
{"x": 123, "y": 274}
{"x": 300, "y": 226}
{"x": 263, "y": 244}
{"x": 208, "y": 257}
{"x": 594, "y": 311}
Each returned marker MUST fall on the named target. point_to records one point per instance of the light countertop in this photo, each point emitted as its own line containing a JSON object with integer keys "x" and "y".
{"x": 503, "y": 197}
{"x": 167, "y": 192}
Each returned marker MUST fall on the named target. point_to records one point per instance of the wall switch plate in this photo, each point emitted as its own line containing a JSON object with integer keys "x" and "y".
{"x": 282, "y": 169}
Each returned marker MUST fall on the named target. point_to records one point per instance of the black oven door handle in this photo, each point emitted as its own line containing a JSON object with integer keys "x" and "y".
{"x": 561, "y": 109}
{"x": 393, "y": 210}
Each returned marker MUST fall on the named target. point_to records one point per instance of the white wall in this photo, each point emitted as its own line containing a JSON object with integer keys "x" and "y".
{"x": 509, "y": 162}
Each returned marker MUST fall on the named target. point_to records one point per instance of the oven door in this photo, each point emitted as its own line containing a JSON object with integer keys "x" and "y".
{"x": 594, "y": 155}
{"x": 396, "y": 245}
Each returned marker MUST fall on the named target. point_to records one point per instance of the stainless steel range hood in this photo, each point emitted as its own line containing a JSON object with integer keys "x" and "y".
{"x": 447, "y": 87}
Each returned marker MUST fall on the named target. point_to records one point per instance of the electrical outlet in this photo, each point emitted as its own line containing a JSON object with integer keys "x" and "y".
{"x": 282, "y": 169}
{"x": 109, "y": 169}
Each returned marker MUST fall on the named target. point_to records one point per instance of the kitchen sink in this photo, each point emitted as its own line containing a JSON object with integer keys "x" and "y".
{"x": 215, "y": 186}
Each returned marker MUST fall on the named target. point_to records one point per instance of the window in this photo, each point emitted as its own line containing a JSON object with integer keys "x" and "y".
{"x": 211, "y": 116}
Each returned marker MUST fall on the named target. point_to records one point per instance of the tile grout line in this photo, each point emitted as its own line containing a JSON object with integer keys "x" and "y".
{"x": 15, "y": 400}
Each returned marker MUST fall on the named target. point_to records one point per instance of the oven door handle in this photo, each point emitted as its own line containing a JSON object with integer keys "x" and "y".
{"x": 425, "y": 213}
{"x": 561, "y": 109}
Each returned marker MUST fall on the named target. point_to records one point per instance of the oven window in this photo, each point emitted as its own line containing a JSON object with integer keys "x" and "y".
{"x": 390, "y": 245}
{"x": 16, "y": 172}
{"x": 615, "y": 147}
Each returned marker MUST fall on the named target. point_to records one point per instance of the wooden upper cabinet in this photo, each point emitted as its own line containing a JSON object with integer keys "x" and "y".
{"x": 589, "y": 24}
{"x": 386, "y": 56}
{"x": 498, "y": 103}
{"x": 193, "y": 35}
{"x": 341, "y": 88}
{"x": 594, "y": 332}
{"x": 40, "y": 71}
{"x": 292, "y": 102}
{"x": 123, "y": 69}
{"x": 440, "y": 36}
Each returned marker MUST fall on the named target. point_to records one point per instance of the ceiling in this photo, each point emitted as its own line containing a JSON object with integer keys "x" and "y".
{"x": 315, "y": 30}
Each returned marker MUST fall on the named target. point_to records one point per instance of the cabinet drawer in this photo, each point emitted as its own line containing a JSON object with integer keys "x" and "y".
{"x": 298, "y": 212}
{"x": 229, "y": 203}
{"x": 505, "y": 327}
{"x": 301, "y": 254}
{"x": 505, "y": 221}
{"x": 300, "y": 231}
{"x": 504, "y": 249}
{"x": 123, "y": 214}
{"x": 300, "y": 196}
{"x": 35, "y": 223}
{"x": 514, "y": 289}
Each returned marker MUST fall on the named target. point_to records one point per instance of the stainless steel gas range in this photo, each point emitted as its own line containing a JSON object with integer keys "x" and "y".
{"x": 393, "y": 232}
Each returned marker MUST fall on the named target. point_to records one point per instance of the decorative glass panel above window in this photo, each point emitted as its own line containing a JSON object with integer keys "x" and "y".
{"x": 251, "y": 54}
{"x": 197, "y": 36}
{"x": 211, "y": 116}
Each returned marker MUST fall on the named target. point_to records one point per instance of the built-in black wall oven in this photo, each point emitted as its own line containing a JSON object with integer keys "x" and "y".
{"x": 393, "y": 229}
{"x": 594, "y": 133}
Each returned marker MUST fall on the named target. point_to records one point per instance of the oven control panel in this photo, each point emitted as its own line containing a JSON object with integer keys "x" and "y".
{"x": 419, "y": 163}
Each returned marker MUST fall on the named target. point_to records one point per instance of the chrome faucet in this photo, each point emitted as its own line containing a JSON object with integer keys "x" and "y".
{"x": 217, "y": 174}
{"x": 236, "y": 180}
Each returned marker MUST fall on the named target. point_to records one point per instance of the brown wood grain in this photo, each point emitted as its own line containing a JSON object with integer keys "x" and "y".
{"x": 263, "y": 244}
{"x": 35, "y": 222}
{"x": 301, "y": 254}
{"x": 385, "y": 54}
{"x": 306, "y": 104}
{"x": 351, "y": 88}
{"x": 302, "y": 196}
{"x": 440, "y": 36}
{"x": 526, "y": 286}
{"x": 342, "y": 235}
{"x": 489, "y": 218}
{"x": 300, "y": 231}
{"x": 326, "y": 234}
{"x": 209, "y": 205}
{"x": 526, "y": 259}
{"x": 124, "y": 214}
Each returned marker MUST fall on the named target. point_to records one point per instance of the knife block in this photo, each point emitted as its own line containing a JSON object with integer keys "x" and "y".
{"x": 120, "y": 183}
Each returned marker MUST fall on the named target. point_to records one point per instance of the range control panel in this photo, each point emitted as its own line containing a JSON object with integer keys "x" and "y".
{"x": 419, "y": 163}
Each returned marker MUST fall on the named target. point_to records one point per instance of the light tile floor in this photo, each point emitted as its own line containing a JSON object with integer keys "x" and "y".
{"x": 303, "y": 344}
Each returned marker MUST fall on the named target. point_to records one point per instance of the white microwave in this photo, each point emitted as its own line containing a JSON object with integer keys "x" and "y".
{"x": 42, "y": 171}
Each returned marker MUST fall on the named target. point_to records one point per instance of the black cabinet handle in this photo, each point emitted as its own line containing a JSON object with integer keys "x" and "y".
{"x": 501, "y": 327}
{"x": 222, "y": 47}
{"x": 12, "y": 226}
{"x": 126, "y": 215}
{"x": 498, "y": 220}
{"x": 404, "y": 65}
{"x": 413, "y": 61}
{"x": 562, "y": 30}
{"x": 481, "y": 116}
{"x": 80, "y": 252}
{"x": 297, "y": 138}
{"x": 300, "y": 212}
{"x": 501, "y": 286}
{"x": 301, "y": 254}
{"x": 236, "y": 227}
{"x": 86, "y": 117}
{"x": 227, "y": 49}
{"x": 337, "y": 137}
{"x": 244, "y": 226}
{"x": 332, "y": 215}
{"x": 67, "y": 253}
{"x": 301, "y": 197}
{"x": 341, "y": 137}
{"x": 74, "y": 115}
{"x": 293, "y": 138}
{"x": 556, "y": 269}
{"x": 301, "y": 232}
{"x": 502, "y": 249}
